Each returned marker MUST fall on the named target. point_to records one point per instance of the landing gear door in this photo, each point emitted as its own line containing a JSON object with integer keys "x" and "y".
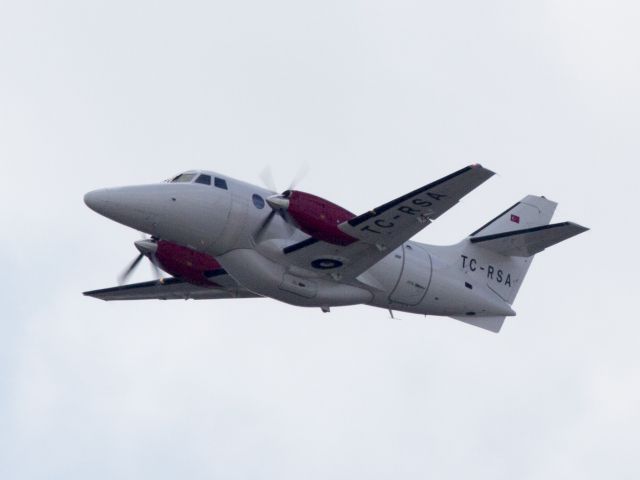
{"x": 414, "y": 278}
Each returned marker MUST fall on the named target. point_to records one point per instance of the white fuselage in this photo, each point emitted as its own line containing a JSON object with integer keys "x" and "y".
{"x": 222, "y": 222}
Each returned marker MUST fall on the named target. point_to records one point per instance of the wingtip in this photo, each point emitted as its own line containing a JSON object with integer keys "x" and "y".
{"x": 479, "y": 167}
{"x": 92, "y": 294}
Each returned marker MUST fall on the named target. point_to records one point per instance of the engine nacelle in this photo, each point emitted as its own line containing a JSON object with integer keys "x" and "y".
{"x": 182, "y": 262}
{"x": 318, "y": 217}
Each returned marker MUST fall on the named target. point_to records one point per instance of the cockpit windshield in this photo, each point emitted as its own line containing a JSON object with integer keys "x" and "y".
{"x": 184, "y": 178}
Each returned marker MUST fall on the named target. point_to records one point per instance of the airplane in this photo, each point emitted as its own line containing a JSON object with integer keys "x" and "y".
{"x": 222, "y": 238}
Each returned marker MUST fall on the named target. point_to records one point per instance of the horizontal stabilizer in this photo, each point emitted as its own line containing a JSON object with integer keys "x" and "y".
{"x": 528, "y": 242}
{"x": 493, "y": 324}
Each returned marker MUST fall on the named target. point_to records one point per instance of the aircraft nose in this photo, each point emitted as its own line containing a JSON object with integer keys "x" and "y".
{"x": 138, "y": 206}
{"x": 97, "y": 200}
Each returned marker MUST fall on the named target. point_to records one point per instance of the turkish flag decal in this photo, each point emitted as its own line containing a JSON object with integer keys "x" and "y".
{"x": 515, "y": 218}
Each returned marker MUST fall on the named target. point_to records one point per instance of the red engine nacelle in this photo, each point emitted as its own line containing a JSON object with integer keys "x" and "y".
{"x": 318, "y": 217}
{"x": 187, "y": 264}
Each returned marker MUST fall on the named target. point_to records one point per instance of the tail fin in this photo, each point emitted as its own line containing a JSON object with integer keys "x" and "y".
{"x": 496, "y": 257}
{"x": 529, "y": 212}
{"x": 502, "y": 250}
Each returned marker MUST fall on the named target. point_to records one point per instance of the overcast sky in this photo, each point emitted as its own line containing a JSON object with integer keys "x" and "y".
{"x": 377, "y": 97}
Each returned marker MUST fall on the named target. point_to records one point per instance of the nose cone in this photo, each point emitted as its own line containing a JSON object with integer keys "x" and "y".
{"x": 98, "y": 200}
{"x": 137, "y": 207}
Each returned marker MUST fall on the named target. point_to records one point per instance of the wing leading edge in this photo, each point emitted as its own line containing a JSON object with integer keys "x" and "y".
{"x": 168, "y": 289}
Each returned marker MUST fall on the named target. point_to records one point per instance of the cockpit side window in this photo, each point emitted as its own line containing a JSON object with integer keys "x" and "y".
{"x": 184, "y": 178}
{"x": 220, "y": 183}
{"x": 204, "y": 179}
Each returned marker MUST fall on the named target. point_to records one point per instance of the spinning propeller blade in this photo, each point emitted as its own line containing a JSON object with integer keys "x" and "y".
{"x": 267, "y": 179}
{"x": 302, "y": 172}
{"x": 122, "y": 278}
{"x": 280, "y": 202}
{"x": 147, "y": 248}
{"x": 263, "y": 226}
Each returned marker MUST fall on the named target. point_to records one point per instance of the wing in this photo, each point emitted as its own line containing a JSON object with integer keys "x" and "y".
{"x": 393, "y": 223}
{"x": 383, "y": 229}
{"x": 168, "y": 289}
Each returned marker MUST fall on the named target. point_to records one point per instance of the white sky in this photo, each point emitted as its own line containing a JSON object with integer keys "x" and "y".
{"x": 377, "y": 98}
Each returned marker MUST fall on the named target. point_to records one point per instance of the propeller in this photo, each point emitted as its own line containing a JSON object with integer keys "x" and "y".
{"x": 279, "y": 203}
{"x": 122, "y": 278}
{"x": 257, "y": 236}
{"x": 147, "y": 248}
{"x": 267, "y": 177}
{"x": 300, "y": 175}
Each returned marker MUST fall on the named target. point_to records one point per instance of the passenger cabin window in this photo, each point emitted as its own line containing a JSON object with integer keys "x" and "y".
{"x": 220, "y": 183}
{"x": 204, "y": 179}
{"x": 258, "y": 201}
{"x": 184, "y": 178}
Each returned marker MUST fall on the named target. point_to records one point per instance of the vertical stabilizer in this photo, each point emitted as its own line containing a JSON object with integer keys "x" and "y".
{"x": 499, "y": 254}
{"x": 529, "y": 212}
{"x": 504, "y": 274}
{"x": 495, "y": 259}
